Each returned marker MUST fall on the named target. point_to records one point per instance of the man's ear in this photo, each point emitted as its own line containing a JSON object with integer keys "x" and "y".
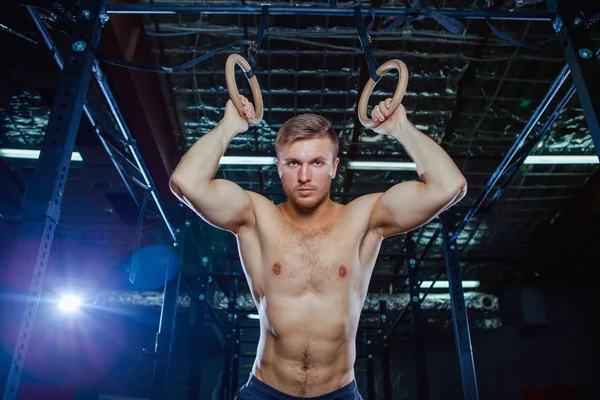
{"x": 335, "y": 165}
{"x": 279, "y": 172}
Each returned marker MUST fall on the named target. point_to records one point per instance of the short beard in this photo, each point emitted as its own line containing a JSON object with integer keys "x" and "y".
{"x": 305, "y": 207}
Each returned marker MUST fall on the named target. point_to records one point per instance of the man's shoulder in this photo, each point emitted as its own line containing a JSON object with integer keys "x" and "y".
{"x": 262, "y": 205}
{"x": 364, "y": 202}
{"x": 361, "y": 208}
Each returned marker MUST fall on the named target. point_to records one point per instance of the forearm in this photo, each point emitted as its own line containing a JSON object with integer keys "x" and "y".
{"x": 199, "y": 165}
{"x": 434, "y": 165}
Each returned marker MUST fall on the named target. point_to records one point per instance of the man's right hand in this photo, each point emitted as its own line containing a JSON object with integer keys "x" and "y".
{"x": 234, "y": 120}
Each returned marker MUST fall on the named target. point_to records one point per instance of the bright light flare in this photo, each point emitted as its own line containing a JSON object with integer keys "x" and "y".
{"x": 70, "y": 303}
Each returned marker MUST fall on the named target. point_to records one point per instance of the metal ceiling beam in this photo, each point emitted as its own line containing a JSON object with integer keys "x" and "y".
{"x": 142, "y": 111}
{"x": 124, "y": 130}
{"x": 514, "y": 152}
{"x": 502, "y": 168}
{"x": 86, "y": 109}
{"x": 575, "y": 35}
{"x": 323, "y": 11}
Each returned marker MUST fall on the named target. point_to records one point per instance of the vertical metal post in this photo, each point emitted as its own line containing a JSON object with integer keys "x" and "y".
{"x": 41, "y": 203}
{"x": 574, "y": 32}
{"x": 166, "y": 332}
{"x": 197, "y": 335}
{"x": 460, "y": 320}
{"x": 229, "y": 387}
{"x": 235, "y": 367}
{"x": 420, "y": 350}
{"x": 385, "y": 352}
{"x": 370, "y": 372}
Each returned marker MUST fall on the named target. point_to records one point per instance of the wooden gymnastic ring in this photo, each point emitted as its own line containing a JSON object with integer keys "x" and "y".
{"x": 396, "y": 99}
{"x": 234, "y": 94}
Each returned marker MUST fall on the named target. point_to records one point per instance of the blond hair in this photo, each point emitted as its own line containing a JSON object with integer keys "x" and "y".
{"x": 306, "y": 126}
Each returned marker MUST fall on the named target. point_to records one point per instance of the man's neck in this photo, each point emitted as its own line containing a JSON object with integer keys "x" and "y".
{"x": 309, "y": 218}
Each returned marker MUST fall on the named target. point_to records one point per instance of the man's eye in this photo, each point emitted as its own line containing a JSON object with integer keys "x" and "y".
{"x": 292, "y": 163}
{"x": 318, "y": 162}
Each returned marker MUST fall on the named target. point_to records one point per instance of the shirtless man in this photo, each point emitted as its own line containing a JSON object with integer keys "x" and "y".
{"x": 308, "y": 261}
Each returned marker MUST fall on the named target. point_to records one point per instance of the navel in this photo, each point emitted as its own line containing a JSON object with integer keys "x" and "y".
{"x": 276, "y": 269}
{"x": 342, "y": 271}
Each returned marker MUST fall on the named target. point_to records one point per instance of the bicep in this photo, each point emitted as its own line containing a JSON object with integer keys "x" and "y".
{"x": 406, "y": 206}
{"x": 221, "y": 203}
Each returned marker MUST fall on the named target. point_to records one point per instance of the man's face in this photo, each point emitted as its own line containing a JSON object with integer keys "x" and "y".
{"x": 306, "y": 168}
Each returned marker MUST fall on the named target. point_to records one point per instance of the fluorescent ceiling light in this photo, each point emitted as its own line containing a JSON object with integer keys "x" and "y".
{"x": 29, "y": 154}
{"x": 382, "y": 165}
{"x": 356, "y": 165}
{"x": 408, "y": 166}
{"x": 446, "y": 284}
{"x": 561, "y": 160}
{"x": 253, "y": 316}
{"x": 250, "y": 160}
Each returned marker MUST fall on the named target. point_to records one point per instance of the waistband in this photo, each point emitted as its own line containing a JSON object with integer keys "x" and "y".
{"x": 346, "y": 392}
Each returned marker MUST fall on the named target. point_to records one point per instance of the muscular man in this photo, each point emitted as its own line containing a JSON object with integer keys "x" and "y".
{"x": 308, "y": 261}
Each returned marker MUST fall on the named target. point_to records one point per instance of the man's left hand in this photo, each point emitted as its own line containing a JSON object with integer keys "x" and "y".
{"x": 389, "y": 124}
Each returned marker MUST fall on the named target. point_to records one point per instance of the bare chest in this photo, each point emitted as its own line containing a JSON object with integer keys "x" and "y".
{"x": 312, "y": 261}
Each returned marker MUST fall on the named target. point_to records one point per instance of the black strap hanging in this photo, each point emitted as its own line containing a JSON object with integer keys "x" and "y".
{"x": 167, "y": 70}
{"x": 415, "y": 14}
{"x": 365, "y": 42}
{"x": 255, "y": 45}
{"x": 522, "y": 43}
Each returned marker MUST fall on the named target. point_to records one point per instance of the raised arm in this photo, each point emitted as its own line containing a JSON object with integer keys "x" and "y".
{"x": 408, "y": 205}
{"x": 219, "y": 202}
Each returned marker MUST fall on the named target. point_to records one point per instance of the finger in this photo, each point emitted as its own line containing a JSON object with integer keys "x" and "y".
{"x": 383, "y": 108}
{"x": 377, "y": 115}
{"x": 374, "y": 113}
{"x": 388, "y": 103}
{"x": 244, "y": 100}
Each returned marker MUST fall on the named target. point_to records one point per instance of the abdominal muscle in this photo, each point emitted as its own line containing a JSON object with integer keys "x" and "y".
{"x": 307, "y": 343}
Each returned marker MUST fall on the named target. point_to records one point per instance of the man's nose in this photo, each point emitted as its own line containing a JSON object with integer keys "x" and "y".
{"x": 304, "y": 174}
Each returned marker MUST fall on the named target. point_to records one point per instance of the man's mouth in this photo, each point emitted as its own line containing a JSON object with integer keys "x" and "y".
{"x": 305, "y": 191}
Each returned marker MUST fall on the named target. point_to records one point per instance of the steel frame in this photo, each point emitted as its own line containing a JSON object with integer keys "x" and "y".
{"x": 460, "y": 321}
{"x": 420, "y": 352}
{"x": 323, "y": 11}
{"x": 41, "y": 204}
{"x": 579, "y": 51}
{"x": 163, "y": 346}
{"x": 127, "y": 138}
